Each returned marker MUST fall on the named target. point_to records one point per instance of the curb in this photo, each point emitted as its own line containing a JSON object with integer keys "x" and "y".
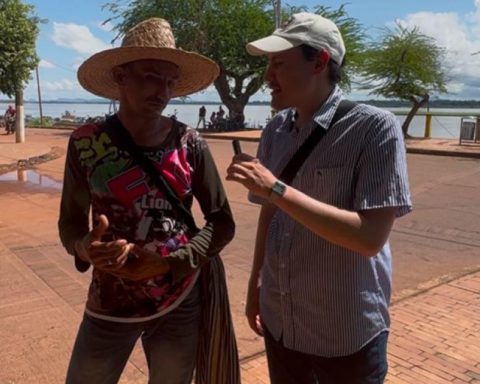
{"x": 414, "y": 150}
{"x": 54, "y": 153}
{"x": 439, "y": 152}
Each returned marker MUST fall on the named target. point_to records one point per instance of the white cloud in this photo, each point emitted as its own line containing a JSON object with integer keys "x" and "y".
{"x": 107, "y": 27}
{"x": 460, "y": 36}
{"x": 78, "y": 38}
{"x": 46, "y": 64}
{"x": 60, "y": 85}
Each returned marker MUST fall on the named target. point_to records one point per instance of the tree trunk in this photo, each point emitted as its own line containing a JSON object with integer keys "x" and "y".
{"x": 417, "y": 104}
{"x": 19, "y": 117}
{"x": 236, "y": 103}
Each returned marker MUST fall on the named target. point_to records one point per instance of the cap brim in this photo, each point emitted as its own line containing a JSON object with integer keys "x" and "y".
{"x": 270, "y": 44}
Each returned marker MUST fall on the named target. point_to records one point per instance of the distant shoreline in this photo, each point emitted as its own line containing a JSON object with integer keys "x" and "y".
{"x": 461, "y": 104}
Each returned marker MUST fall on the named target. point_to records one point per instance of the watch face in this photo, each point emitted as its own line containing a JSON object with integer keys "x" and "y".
{"x": 279, "y": 188}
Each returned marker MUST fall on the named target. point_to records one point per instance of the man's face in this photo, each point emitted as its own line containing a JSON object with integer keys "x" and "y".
{"x": 146, "y": 86}
{"x": 289, "y": 75}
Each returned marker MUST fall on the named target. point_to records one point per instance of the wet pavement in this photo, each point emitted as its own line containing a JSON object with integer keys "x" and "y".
{"x": 436, "y": 272}
{"x": 29, "y": 179}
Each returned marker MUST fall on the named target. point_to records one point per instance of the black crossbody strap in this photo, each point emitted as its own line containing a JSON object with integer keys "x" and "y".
{"x": 311, "y": 142}
{"x": 125, "y": 141}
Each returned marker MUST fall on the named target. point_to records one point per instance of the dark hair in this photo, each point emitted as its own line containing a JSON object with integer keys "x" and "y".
{"x": 335, "y": 70}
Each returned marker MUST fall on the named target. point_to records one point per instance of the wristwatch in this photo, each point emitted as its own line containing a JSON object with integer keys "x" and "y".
{"x": 278, "y": 190}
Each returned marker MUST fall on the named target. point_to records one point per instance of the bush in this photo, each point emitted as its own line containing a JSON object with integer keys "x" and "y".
{"x": 35, "y": 121}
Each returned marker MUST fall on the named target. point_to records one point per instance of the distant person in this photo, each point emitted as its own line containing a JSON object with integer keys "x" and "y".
{"x": 220, "y": 113}
{"x": 10, "y": 118}
{"x": 202, "y": 114}
{"x": 320, "y": 284}
{"x": 156, "y": 276}
{"x": 213, "y": 120}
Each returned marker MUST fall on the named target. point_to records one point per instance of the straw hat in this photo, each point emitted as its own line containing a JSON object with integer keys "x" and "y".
{"x": 151, "y": 39}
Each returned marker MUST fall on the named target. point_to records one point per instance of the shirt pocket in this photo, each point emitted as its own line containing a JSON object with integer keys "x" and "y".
{"x": 331, "y": 185}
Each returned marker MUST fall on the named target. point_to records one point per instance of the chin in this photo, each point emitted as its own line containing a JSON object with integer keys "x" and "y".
{"x": 278, "y": 104}
{"x": 154, "y": 112}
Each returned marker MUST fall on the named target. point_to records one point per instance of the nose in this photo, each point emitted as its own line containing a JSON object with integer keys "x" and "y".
{"x": 268, "y": 77}
{"x": 163, "y": 91}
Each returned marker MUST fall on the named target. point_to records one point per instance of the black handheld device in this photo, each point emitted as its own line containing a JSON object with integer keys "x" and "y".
{"x": 236, "y": 146}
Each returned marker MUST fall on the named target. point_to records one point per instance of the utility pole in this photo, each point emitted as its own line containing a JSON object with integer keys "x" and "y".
{"x": 39, "y": 97}
{"x": 277, "y": 8}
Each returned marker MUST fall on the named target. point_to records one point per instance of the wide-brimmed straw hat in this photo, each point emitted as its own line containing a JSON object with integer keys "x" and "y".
{"x": 151, "y": 39}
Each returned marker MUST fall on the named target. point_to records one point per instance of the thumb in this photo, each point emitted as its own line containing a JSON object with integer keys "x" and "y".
{"x": 100, "y": 229}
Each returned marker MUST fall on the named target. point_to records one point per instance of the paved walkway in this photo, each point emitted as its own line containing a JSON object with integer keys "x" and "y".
{"x": 435, "y": 326}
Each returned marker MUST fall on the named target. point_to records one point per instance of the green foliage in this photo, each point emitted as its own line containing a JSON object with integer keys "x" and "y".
{"x": 18, "y": 33}
{"x": 403, "y": 64}
{"x": 353, "y": 36}
{"x": 36, "y": 122}
{"x": 220, "y": 29}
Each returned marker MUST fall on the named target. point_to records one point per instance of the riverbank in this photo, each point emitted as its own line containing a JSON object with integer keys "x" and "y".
{"x": 32, "y": 153}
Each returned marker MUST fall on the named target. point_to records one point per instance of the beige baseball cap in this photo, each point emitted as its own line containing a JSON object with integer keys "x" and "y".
{"x": 302, "y": 28}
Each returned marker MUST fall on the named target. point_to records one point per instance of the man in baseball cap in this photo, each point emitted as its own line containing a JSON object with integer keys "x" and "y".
{"x": 331, "y": 178}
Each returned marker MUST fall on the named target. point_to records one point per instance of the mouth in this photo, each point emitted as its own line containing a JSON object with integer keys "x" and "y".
{"x": 274, "y": 89}
{"x": 156, "y": 103}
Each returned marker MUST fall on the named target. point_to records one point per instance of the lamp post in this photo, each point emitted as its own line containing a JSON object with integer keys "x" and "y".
{"x": 39, "y": 97}
{"x": 277, "y": 8}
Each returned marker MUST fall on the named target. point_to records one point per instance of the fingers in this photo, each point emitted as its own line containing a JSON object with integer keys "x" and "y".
{"x": 102, "y": 226}
{"x": 109, "y": 255}
{"x": 258, "y": 324}
{"x": 113, "y": 261}
{"x": 240, "y": 171}
{"x": 255, "y": 324}
{"x": 142, "y": 252}
{"x": 242, "y": 157}
{"x": 107, "y": 249}
{"x": 122, "y": 259}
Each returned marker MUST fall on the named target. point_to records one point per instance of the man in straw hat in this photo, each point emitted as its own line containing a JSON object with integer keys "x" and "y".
{"x": 331, "y": 177}
{"x": 155, "y": 275}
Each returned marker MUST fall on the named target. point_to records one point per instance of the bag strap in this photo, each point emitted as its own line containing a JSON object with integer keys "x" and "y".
{"x": 288, "y": 173}
{"x": 126, "y": 142}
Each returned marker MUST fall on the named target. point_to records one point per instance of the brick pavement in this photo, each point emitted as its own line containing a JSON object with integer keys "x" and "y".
{"x": 434, "y": 335}
{"x": 434, "y": 338}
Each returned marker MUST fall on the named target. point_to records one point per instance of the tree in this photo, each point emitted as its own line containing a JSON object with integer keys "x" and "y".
{"x": 352, "y": 33}
{"x": 406, "y": 65}
{"x": 18, "y": 34}
{"x": 220, "y": 29}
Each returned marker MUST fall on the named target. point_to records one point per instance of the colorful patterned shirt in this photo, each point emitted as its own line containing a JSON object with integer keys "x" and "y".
{"x": 102, "y": 176}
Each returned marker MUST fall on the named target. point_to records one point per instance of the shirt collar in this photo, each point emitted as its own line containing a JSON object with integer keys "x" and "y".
{"x": 323, "y": 116}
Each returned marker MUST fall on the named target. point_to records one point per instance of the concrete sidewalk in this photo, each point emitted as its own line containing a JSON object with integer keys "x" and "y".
{"x": 435, "y": 327}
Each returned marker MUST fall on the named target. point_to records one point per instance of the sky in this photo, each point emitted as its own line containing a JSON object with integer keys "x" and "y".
{"x": 75, "y": 30}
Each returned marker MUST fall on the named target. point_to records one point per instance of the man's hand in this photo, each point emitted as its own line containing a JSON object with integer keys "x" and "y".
{"x": 248, "y": 171}
{"x": 252, "y": 308}
{"x": 106, "y": 256}
{"x": 145, "y": 265}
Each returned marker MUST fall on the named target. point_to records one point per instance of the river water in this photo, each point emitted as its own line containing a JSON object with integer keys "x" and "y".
{"x": 255, "y": 115}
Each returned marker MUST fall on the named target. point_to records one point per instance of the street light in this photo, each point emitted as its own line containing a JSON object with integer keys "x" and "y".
{"x": 39, "y": 96}
{"x": 277, "y": 8}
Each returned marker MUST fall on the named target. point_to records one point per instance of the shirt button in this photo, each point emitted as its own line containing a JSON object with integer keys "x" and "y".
{"x": 287, "y": 234}
{"x": 283, "y": 294}
{"x": 282, "y": 265}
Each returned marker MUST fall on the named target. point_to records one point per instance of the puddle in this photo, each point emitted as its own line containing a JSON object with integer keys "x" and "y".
{"x": 30, "y": 177}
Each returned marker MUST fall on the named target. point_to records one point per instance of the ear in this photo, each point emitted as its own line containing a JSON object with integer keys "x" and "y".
{"x": 119, "y": 75}
{"x": 322, "y": 60}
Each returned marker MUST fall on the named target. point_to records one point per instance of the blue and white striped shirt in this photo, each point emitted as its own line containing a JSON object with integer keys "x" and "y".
{"x": 324, "y": 299}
